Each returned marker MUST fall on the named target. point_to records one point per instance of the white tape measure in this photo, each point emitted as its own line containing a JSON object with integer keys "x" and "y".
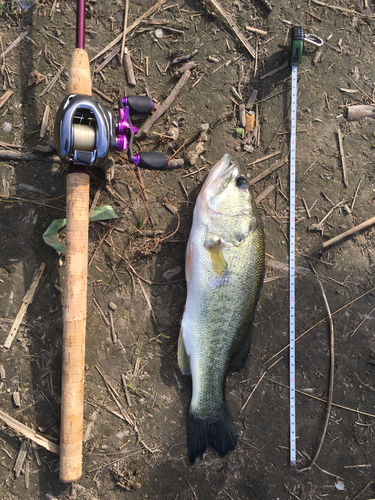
{"x": 297, "y": 36}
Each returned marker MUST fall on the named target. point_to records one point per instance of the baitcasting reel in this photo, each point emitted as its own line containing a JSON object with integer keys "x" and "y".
{"x": 86, "y": 131}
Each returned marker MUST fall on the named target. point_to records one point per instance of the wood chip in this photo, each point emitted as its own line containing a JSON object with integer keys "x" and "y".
{"x": 285, "y": 267}
{"x": 29, "y": 433}
{"x": 27, "y": 474}
{"x": 44, "y": 125}
{"x": 242, "y": 115}
{"x": 349, "y": 91}
{"x": 360, "y": 111}
{"x": 107, "y": 60}
{"x": 37, "y": 457}
{"x": 5, "y": 97}
{"x": 126, "y": 390}
{"x": 105, "y": 319}
{"x": 343, "y": 161}
{"x": 129, "y": 70}
{"x": 20, "y": 460}
{"x": 279, "y": 163}
{"x": 17, "y": 398}
{"x": 113, "y": 332}
{"x": 28, "y": 299}
{"x": 264, "y": 194}
{"x": 256, "y": 30}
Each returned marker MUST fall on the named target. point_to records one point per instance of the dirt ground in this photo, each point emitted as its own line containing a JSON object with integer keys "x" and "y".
{"x": 139, "y": 266}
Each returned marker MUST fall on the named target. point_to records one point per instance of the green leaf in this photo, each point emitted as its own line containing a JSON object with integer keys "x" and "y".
{"x": 51, "y": 236}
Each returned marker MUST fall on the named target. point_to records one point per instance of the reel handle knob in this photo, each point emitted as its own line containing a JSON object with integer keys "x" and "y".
{"x": 139, "y": 104}
{"x": 151, "y": 161}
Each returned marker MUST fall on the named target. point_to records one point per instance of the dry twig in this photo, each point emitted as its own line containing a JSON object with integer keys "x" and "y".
{"x": 125, "y": 26}
{"x": 130, "y": 28}
{"x": 349, "y": 232}
{"x": 52, "y": 82}
{"x": 29, "y": 433}
{"x": 318, "y": 323}
{"x": 341, "y": 9}
{"x": 19, "y": 156}
{"x": 354, "y": 410}
{"x": 331, "y": 379}
{"x": 143, "y": 131}
{"x": 275, "y": 153}
{"x": 256, "y": 385}
{"x": 214, "y": 4}
{"x": 14, "y": 44}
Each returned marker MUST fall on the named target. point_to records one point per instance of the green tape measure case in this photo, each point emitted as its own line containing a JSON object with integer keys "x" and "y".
{"x": 297, "y": 36}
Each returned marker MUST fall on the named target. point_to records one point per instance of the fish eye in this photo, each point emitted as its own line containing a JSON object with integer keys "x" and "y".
{"x": 241, "y": 182}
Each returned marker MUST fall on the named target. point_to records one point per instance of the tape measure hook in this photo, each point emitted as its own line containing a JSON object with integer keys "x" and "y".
{"x": 314, "y": 39}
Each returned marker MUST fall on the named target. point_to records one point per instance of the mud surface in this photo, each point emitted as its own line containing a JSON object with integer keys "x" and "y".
{"x": 139, "y": 266}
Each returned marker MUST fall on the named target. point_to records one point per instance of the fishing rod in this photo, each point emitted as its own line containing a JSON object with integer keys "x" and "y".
{"x": 85, "y": 133}
{"x": 297, "y": 39}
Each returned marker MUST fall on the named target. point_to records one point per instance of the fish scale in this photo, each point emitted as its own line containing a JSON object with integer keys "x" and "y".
{"x": 224, "y": 272}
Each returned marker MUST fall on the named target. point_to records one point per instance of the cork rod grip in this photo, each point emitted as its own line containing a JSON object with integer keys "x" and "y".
{"x": 75, "y": 305}
{"x": 79, "y": 81}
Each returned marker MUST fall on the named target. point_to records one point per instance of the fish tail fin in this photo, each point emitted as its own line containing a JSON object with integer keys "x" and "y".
{"x": 218, "y": 432}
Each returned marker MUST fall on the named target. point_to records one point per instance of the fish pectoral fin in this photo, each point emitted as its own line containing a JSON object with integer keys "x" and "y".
{"x": 218, "y": 262}
{"x": 182, "y": 356}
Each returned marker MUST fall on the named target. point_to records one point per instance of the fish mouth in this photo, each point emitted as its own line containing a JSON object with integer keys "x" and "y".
{"x": 221, "y": 171}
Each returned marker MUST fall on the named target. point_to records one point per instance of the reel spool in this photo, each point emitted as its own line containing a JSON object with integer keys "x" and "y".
{"x": 84, "y": 137}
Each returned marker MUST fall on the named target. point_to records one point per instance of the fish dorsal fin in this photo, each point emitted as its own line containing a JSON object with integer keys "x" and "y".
{"x": 218, "y": 262}
{"x": 182, "y": 356}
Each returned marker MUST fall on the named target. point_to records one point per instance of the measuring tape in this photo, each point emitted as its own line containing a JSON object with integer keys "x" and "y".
{"x": 297, "y": 37}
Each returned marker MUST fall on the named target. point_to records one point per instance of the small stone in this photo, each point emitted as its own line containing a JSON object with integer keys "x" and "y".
{"x": 6, "y": 128}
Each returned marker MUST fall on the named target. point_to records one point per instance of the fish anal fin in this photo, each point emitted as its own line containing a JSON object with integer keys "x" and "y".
{"x": 218, "y": 262}
{"x": 217, "y": 431}
{"x": 182, "y": 356}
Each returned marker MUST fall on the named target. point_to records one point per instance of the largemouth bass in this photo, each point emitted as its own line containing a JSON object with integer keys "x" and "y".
{"x": 224, "y": 273}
